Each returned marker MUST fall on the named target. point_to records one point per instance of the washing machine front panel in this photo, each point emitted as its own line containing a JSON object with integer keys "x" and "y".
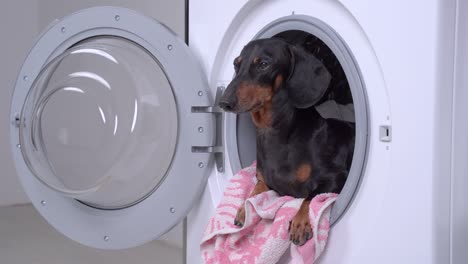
{"x": 395, "y": 72}
{"x": 105, "y": 137}
{"x": 372, "y": 190}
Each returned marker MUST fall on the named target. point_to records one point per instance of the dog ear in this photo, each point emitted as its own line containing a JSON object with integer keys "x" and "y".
{"x": 308, "y": 79}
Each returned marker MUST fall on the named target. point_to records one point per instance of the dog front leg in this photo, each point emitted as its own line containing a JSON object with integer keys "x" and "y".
{"x": 300, "y": 229}
{"x": 260, "y": 187}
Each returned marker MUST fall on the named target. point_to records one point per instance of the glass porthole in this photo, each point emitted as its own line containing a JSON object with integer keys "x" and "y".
{"x": 100, "y": 123}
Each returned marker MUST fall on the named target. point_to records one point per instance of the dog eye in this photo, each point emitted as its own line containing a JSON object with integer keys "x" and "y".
{"x": 263, "y": 65}
{"x": 236, "y": 66}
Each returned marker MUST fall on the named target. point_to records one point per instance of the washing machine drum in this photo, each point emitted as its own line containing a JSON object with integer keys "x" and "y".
{"x": 103, "y": 128}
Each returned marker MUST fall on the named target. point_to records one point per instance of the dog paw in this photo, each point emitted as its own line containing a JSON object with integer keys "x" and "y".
{"x": 300, "y": 229}
{"x": 240, "y": 217}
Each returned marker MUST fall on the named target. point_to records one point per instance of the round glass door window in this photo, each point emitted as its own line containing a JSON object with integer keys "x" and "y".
{"x": 100, "y": 123}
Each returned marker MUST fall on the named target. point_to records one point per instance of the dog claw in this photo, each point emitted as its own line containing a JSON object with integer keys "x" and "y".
{"x": 299, "y": 241}
{"x": 240, "y": 217}
{"x": 238, "y": 223}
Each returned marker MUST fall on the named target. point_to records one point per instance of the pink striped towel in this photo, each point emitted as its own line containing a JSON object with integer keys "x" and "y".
{"x": 264, "y": 238}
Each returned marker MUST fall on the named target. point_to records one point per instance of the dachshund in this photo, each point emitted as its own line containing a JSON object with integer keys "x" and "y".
{"x": 299, "y": 153}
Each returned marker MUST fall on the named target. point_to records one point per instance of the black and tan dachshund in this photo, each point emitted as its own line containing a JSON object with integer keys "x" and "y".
{"x": 299, "y": 153}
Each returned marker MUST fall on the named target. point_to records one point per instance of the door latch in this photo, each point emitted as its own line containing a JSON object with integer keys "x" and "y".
{"x": 385, "y": 133}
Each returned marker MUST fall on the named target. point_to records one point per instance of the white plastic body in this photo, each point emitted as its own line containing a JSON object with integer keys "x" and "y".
{"x": 402, "y": 212}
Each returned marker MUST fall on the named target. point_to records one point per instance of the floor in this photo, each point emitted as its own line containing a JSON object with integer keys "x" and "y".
{"x": 25, "y": 238}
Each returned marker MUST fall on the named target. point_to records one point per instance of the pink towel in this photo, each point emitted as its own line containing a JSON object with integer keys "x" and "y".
{"x": 264, "y": 238}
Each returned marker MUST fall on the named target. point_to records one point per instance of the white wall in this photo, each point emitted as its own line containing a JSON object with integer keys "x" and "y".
{"x": 21, "y": 21}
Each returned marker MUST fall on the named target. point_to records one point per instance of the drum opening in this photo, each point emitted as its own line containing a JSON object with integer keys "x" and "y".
{"x": 345, "y": 100}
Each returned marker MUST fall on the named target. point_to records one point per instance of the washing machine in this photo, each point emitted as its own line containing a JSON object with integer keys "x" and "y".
{"x": 117, "y": 137}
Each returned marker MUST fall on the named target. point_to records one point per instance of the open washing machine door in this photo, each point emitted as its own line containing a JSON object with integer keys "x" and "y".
{"x": 110, "y": 131}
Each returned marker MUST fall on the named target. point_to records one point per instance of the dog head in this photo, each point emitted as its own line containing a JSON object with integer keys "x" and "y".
{"x": 267, "y": 65}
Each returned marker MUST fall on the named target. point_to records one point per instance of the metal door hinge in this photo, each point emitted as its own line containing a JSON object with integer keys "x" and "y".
{"x": 217, "y": 149}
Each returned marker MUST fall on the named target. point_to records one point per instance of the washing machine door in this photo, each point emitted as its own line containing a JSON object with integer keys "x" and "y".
{"x": 104, "y": 134}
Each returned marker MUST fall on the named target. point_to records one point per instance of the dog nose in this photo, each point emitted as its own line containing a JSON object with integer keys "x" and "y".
{"x": 225, "y": 105}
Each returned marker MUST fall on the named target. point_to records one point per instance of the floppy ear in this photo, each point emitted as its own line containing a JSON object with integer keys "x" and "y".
{"x": 308, "y": 80}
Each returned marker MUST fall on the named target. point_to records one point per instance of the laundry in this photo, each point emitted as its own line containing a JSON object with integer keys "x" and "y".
{"x": 264, "y": 238}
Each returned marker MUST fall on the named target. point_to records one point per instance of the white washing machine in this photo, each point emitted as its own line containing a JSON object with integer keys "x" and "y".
{"x": 116, "y": 134}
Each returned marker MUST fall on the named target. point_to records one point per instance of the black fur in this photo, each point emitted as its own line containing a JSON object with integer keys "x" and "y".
{"x": 295, "y": 133}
